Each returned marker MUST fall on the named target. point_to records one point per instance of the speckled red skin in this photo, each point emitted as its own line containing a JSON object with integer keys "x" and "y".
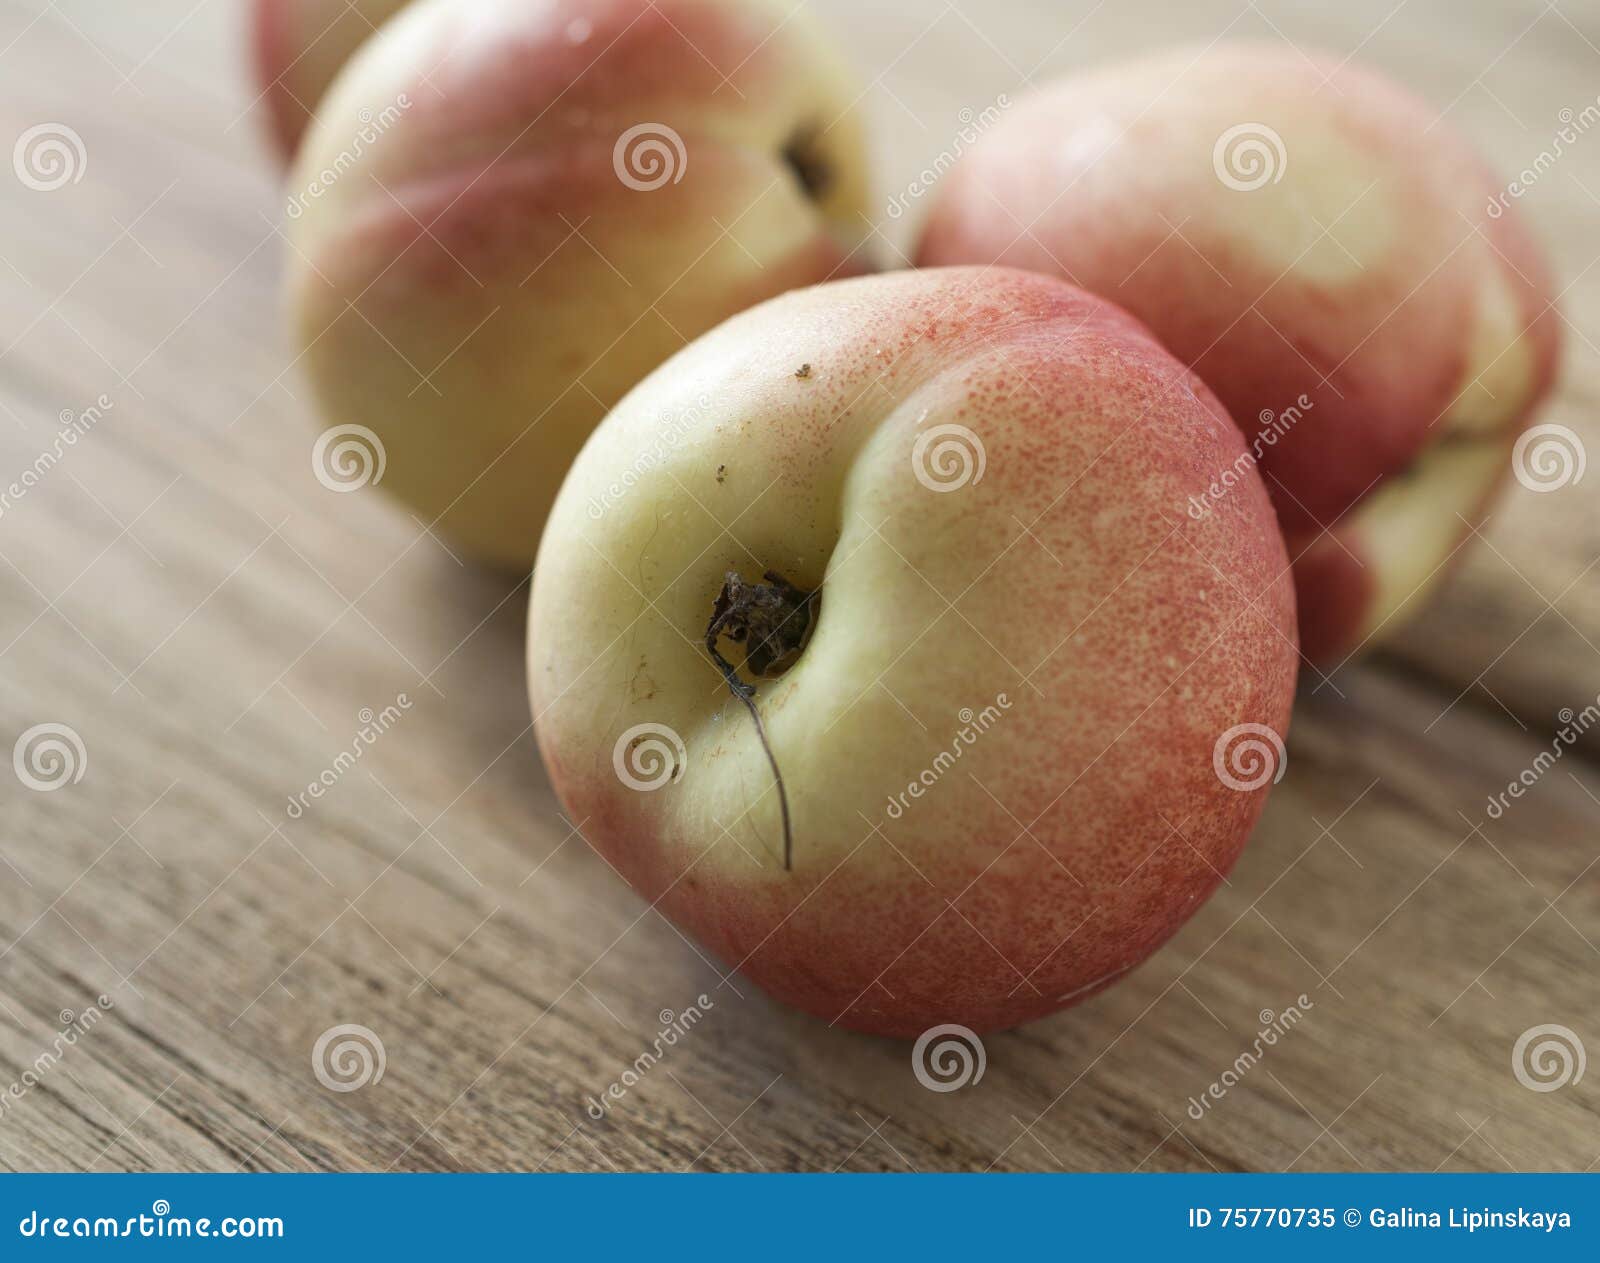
{"x": 1153, "y": 635}
{"x": 1393, "y": 340}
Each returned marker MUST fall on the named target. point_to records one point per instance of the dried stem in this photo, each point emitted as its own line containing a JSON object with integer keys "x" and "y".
{"x": 773, "y": 621}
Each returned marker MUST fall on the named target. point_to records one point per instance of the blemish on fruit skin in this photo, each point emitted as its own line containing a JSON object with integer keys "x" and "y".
{"x": 722, "y": 473}
{"x": 641, "y": 687}
{"x": 803, "y": 372}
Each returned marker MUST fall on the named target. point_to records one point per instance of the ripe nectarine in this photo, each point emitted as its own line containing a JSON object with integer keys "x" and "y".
{"x": 1324, "y": 251}
{"x": 916, "y": 545}
{"x": 562, "y": 195}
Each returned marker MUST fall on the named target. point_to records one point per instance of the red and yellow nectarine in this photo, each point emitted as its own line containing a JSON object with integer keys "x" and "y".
{"x": 1322, "y": 249}
{"x": 998, "y": 668}
{"x": 564, "y": 194}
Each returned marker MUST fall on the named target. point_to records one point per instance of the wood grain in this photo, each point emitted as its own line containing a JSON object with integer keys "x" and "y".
{"x": 182, "y": 592}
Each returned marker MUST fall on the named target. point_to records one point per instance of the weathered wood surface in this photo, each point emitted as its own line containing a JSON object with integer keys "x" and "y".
{"x": 182, "y": 593}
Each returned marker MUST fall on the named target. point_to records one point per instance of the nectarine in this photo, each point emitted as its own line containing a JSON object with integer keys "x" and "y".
{"x": 870, "y": 641}
{"x": 572, "y": 190}
{"x": 1322, "y": 249}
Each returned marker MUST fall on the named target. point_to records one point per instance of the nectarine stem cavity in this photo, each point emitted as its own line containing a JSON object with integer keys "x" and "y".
{"x": 773, "y": 621}
{"x": 805, "y": 157}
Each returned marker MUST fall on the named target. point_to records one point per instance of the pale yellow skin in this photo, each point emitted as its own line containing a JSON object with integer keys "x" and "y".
{"x": 1061, "y": 590}
{"x": 478, "y": 284}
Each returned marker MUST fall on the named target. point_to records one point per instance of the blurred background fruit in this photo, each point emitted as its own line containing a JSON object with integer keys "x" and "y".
{"x": 1328, "y": 254}
{"x": 509, "y": 211}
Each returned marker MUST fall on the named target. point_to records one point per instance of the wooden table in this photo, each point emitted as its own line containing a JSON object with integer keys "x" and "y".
{"x": 180, "y": 591}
